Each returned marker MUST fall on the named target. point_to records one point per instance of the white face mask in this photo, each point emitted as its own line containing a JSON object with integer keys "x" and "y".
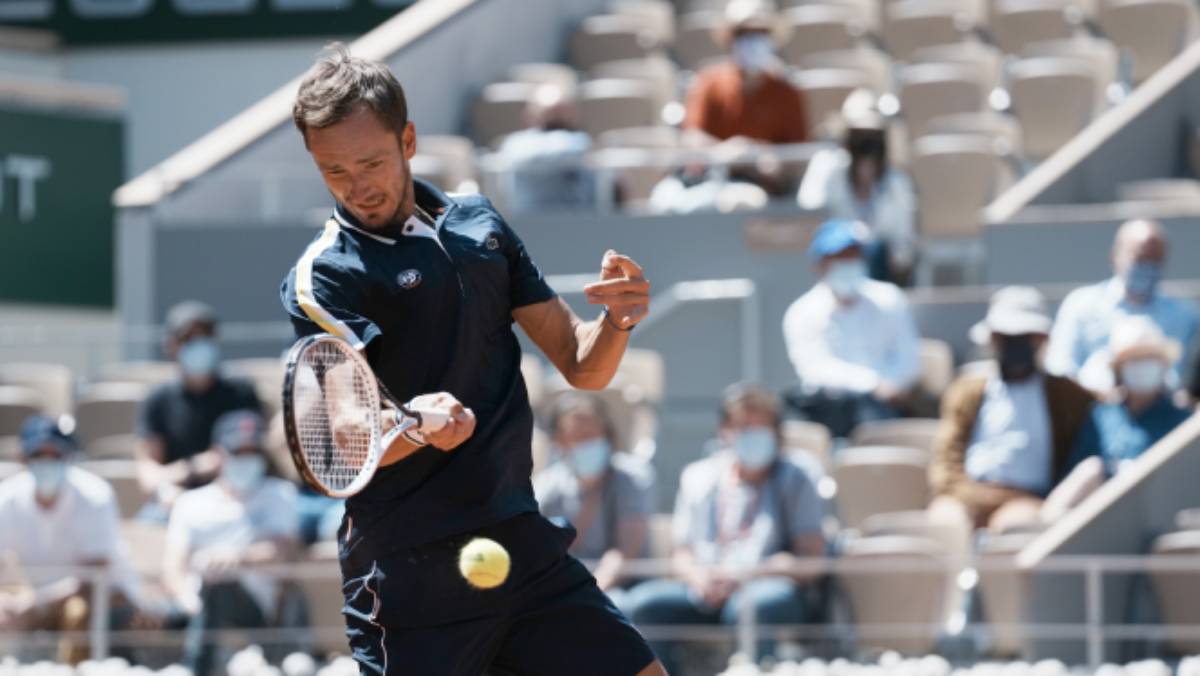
{"x": 754, "y": 447}
{"x": 753, "y": 52}
{"x": 244, "y": 473}
{"x": 199, "y": 357}
{"x": 48, "y": 476}
{"x": 1143, "y": 376}
{"x": 590, "y": 458}
{"x": 845, "y": 278}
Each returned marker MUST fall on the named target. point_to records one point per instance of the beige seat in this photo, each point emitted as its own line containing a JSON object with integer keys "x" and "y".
{"x": 123, "y": 477}
{"x": 321, "y": 583}
{"x": 107, "y": 410}
{"x": 1054, "y": 99}
{"x": 657, "y": 16}
{"x": 53, "y": 383}
{"x": 615, "y": 104}
{"x": 1101, "y": 53}
{"x": 455, "y": 159}
{"x": 811, "y": 438}
{"x": 642, "y": 375}
{"x": 638, "y": 176}
{"x": 825, "y": 90}
{"x": 986, "y": 61}
{"x": 266, "y": 373}
{"x": 696, "y": 42}
{"x": 878, "y": 479}
{"x": 930, "y": 90}
{"x": 611, "y": 37}
{"x": 909, "y": 598}
{"x": 1017, "y": 24}
{"x": 660, "y": 536}
{"x": 500, "y": 110}
{"x": 1178, "y": 592}
{"x": 657, "y": 71}
{"x": 115, "y": 447}
{"x": 937, "y": 366}
{"x": 912, "y": 24}
{"x": 916, "y": 433}
{"x": 17, "y": 404}
{"x": 533, "y": 370}
{"x": 146, "y": 543}
{"x": 1153, "y": 31}
{"x": 875, "y": 65}
{"x": 149, "y": 373}
{"x": 557, "y": 74}
{"x": 819, "y": 28}
{"x": 1003, "y": 591}
{"x": 1004, "y": 130}
{"x": 956, "y": 175}
{"x": 866, "y": 14}
{"x": 1160, "y": 190}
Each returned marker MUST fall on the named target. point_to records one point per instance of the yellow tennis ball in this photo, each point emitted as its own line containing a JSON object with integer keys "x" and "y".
{"x": 484, "y": 563}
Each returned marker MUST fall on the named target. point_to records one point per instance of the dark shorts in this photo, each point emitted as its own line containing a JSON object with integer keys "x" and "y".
{"x": 410, "y": 612}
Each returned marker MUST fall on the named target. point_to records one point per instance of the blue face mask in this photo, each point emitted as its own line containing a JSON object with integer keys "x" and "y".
{"x": 755, "y": 447}
{"x": 1142, "y": 278}
{"x": 199, "y": 357}
{"x": 48, "y": 477}
{"x": 590, "y": 458}
{"x": 244, "y": 473}
{"x": 845, "y": 278}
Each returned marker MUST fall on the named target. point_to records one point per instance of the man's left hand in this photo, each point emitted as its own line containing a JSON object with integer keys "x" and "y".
{"x": 458, "y": 429}
{"x": 622, "y": 288}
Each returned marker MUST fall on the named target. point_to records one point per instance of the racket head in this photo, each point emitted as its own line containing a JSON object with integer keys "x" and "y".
{"x": 331, "y": 415}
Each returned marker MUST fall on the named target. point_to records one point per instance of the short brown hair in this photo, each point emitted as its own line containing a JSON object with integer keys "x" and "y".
{"x": 338, "y": 83}
{"x": 749, "y": 395}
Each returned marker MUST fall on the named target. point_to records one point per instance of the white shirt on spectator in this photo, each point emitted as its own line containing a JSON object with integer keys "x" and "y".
{"x": 82, "y": 526}
{"x": 853, "y": 348}
{"x": 212, "y": 517}
{"x": 1011, "y": 443}
{"x": 736, "y": 524}
{"x": 629, "y": 493}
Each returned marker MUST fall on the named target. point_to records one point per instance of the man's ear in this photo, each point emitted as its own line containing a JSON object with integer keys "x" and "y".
{"x": 408, "y": 141}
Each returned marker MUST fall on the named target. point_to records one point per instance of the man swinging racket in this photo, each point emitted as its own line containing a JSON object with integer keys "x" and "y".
{"x": 426, "y": 287}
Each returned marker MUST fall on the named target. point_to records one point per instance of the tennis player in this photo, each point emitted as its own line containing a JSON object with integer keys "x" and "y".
{"x": 427, "y": 287}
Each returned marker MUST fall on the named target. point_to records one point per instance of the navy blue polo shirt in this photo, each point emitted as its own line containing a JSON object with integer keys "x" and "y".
{"x": 431, "y": 305}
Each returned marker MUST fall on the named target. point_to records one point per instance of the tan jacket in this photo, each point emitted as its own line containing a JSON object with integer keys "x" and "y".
{"x": 1068, "y": 402}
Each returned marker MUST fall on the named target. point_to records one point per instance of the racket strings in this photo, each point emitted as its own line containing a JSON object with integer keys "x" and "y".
{"x": 337, "y": 419}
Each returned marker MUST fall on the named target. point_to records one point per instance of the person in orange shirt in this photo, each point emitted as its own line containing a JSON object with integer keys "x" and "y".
{"x": 747, "y": 100}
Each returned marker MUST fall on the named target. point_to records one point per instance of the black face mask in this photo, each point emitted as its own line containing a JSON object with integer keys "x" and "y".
{"x": 1016, "y": 356}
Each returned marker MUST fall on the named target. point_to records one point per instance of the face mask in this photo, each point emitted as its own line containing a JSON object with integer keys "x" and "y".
{"x": 199, "y": 357}
{"x": 754, "y": 447}
{"x": 845, "y": 278}
{"x": 590, "y": 458}
{"x": 1141, "y": 279}
{"x": 1016, "y": 358}
{"x": 753, "y": 52}
{"x": 48, "y": 476}
{"x": 244, "y": 472}
{"x": 1143, "y": 376}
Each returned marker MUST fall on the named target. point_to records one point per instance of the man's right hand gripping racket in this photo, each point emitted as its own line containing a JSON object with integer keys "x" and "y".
{"x": 333, "y": 415}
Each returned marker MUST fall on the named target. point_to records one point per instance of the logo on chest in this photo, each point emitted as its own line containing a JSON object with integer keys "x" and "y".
{"x": 409, "y": 279}
{"x": 492, "y": 243}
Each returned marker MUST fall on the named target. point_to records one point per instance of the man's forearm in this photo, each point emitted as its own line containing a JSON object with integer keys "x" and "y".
{"x": 600, "y": 347}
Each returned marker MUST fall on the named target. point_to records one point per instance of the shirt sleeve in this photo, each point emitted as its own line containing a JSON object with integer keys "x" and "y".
{"x": 150, "y": 416}
{"x": 320, "y": 297}
{"x": 282, "y": 518}
{"x": 526, "y": 285}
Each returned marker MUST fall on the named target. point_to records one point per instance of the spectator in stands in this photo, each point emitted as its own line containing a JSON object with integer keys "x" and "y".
{"x": 176, "y": 420}
{"x": 55, "y": 514}
{"x": 852, "y": 340}
{"x": 857, "y": 182}
{"x": 1006, "y": 437}
{"x": 1118, "y": 431}
{"x": 217, "y": 533}
{"x": 742, "y": 517}
{"x": 546, "y": 159}
{"x": 747, "y": 101}
{"x": 607, "y": 496}
{"x": 1088, "y": 315}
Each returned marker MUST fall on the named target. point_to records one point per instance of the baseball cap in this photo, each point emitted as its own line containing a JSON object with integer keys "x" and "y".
{"x": 239, "y": 429}
{"x": 39, "y": 432}
{"x": 1013, "y": 311}
{"x": 187, "y": 314}
{"x": 835, "y": 236}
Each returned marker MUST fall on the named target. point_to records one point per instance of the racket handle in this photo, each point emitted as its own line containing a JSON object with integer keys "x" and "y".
{"x": 432, "y": 419}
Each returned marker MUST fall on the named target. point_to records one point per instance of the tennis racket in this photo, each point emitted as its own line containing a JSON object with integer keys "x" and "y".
{"x": 333, "y": 411}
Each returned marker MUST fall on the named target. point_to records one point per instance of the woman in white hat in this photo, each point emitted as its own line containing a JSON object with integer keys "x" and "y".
{"x": 1141, "y": 413}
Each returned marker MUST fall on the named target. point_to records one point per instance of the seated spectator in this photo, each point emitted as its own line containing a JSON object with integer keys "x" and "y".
{"x": 1006, "y": 437}
{"x": 218, "y": 532}
{"x": 742, "y": 517}
{"x": 1118, "y": 431}
{"x": 55, "y": 515}
{"x": 607, "y": 496}
{"x": 747, "y": 101}
{"x": 700, "y": 187}
{"x": 176, "y": 420}
{"x": 857, "y": 182}
{"x": 853, "y": 340}
{"x": 546, "y": 159}
{"x": 1087, "y": 317}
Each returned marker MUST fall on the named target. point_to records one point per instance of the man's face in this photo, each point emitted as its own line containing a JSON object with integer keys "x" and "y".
{"x": 1138, "y": 245}
{"x": 746, "y": 416}
{"x": 578, "y": 427}
{"x": 365, "y": 166}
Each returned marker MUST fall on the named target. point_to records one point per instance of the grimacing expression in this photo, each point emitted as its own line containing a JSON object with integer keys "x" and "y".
{"x": 365, "y": 165}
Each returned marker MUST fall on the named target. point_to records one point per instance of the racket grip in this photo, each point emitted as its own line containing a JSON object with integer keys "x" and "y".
{"x": 432, "y": 419}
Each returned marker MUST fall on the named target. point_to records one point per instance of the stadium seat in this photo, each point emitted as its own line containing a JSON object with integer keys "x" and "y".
{"x": 1054, "y": 98}
{"x": 912, "y": 24}
{"x": 16, "y": 405}
{"x": 825, "y": 90}
{"x": 1160, "y": 190}
{"x": 560, "y": 75}
{"x": 933, "y": 89}
{"x": 616, "y": 104}
{"x": 53, "y": 383}
{"x": 660, "y": 536}
{"x": 811, "y": 438}
{"x": 1178, "y": 592}
{"x": 865, "y": 13}
{"x": 819, "y": 28}
{"x": 145, "y": 542}
{"x": 1016, "y": 24}
{"x": 122, "y": 475}
{"x": 1101, "y": 53}
{"x": 638, "y": 182}
{"x": 148, "y": 373}
{"x": 500, "y": 111}
{"x": 986, "y": 61}
{"x": 903, "y": 599}
{"x": 875, "y": 65}
{"x": 657, "y": 16}
{"x": 1003, "y": 593}
{"x": 107, "y": 410}
{"x": 609, "y": 37}
{"x": 1188, "y": 519}
{"x": 658, "y": 71}
{"x": 878, "y": 479}
{"x": 917, "y": 433}
{"x": 956, "y": 175}
{"x": 937, "y": 367}
{"x": 1004, "y": 130}
{"x": 1153, "y": 31}
{"x": 696, "y": 42}
{"x": 266, "y": 373}
{"x": 642, "y": 375}
{"x": 321, "y": 583}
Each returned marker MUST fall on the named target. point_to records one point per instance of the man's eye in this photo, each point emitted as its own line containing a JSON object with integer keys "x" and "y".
{"x": 374, "y": 165}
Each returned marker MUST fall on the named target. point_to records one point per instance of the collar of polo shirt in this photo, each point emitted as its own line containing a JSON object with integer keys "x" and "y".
{"x": 419, "y": 224}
